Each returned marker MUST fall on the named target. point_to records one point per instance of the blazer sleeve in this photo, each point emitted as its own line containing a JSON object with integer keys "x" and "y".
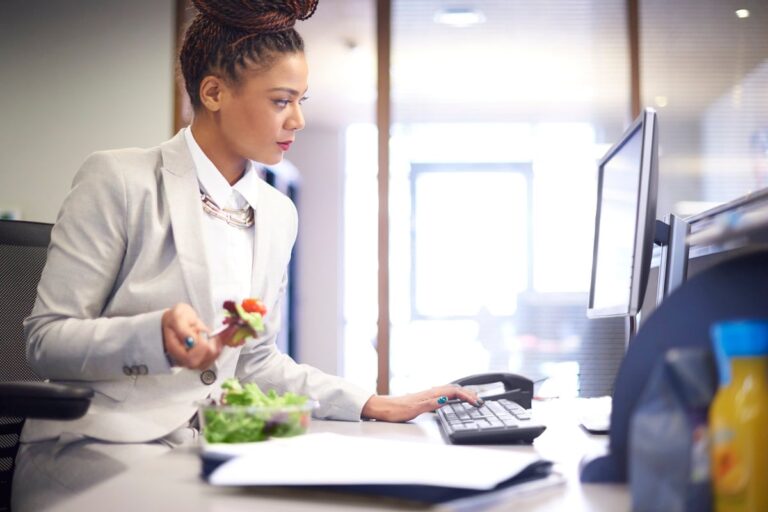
{"x": 67, "y": 339}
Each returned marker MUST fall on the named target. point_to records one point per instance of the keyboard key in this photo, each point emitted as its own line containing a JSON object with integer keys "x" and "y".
{"x": 511, "y": 406}
{"x": 496, "y": 407}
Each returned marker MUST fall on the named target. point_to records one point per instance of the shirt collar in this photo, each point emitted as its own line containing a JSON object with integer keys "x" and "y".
{"x": 214, "y": 183}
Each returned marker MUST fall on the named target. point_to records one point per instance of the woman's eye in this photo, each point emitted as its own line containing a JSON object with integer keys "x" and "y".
{"x": 281, "y": 103}
{"x": 302, "y": 100}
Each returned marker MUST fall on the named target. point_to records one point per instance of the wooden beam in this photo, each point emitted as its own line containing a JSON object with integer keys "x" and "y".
{"x": 383, "y": 109}
{"x": 633, "y": 31}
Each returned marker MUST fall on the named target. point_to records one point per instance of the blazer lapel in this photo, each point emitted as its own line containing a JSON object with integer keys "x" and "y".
{"x": 182, "y": 193}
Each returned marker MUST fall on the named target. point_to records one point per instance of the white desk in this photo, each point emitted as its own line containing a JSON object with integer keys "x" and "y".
{"x": 172, "y": 482}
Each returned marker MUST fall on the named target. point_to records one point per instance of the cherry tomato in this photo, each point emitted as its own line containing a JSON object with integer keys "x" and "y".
{"x": 250, "y": 305}
{"x": 254, "y": 306}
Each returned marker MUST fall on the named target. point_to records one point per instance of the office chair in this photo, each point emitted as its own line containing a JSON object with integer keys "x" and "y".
{"x": 23, "y": 250}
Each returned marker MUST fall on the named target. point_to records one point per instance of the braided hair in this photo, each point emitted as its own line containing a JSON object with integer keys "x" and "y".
{"x": 228, "y": 35}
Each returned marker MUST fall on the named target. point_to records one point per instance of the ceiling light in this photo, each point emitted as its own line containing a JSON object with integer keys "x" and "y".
{"x": 742, "y": 13}
{"x": 661, "y": 101}
{"x": 459, "y": 17}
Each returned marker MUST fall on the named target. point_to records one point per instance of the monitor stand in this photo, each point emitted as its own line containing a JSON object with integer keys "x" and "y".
{"x": 673, "y": 267}
{"x": 670, "y": 234}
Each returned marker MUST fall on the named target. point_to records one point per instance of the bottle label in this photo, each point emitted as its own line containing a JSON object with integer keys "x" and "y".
{"x": 730, "y": 474}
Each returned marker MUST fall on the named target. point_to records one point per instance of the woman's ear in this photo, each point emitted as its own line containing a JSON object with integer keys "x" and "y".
{"x": 211, "y": 91}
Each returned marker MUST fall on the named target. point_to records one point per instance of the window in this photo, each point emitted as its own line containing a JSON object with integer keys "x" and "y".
{"x": 471, "y": 232}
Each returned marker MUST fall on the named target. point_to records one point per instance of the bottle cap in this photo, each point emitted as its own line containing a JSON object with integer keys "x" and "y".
{"x": 741, "y": 338}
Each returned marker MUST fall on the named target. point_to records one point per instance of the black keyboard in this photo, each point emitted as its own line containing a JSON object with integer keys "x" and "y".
{"x": 495, "y": 422}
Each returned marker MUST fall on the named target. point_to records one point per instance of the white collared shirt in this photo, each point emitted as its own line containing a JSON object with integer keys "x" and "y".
{"x": 229, "y": 249}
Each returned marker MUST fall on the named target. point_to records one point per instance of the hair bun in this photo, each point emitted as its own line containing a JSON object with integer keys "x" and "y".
{"x": 264, "y": 16}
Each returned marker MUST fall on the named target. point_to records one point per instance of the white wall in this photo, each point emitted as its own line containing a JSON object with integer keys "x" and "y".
{"x": 78, "y": 76}
{"x": 318, "y": 154}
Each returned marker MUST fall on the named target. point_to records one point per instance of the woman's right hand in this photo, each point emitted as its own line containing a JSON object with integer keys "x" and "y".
{"x": 180, "y": 324}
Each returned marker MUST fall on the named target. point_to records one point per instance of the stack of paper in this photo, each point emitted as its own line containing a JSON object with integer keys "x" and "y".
{"x": 333, "y": 460}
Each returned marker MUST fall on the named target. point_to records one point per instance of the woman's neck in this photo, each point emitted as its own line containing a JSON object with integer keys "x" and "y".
{"x": 230, "y": 166}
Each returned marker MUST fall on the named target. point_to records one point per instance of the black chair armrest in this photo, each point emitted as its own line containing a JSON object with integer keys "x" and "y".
{"x": 44, "y": 400}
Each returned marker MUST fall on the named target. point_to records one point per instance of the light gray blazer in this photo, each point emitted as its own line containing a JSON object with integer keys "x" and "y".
{"x": 128, "y": 244}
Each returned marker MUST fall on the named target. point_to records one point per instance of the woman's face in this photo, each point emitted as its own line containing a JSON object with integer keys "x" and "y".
{"x": 259, "y": 116}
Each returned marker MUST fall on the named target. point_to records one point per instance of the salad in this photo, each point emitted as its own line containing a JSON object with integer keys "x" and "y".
{"x": 246, "y": 414}
{"x": 248, "y": 316}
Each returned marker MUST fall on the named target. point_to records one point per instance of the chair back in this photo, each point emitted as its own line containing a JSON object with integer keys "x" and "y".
{"x": 23, "y": 251}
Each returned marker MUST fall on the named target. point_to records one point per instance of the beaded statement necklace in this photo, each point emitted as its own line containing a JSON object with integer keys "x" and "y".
{"x": 242, "y": 218}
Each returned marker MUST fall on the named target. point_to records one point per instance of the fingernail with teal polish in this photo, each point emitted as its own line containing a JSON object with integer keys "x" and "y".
{"x": 442, "y": 400}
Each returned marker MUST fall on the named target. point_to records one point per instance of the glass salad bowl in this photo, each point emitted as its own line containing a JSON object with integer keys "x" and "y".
{"x": 244, "y": 414}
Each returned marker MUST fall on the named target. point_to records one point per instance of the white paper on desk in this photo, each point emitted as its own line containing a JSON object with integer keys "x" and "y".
{"x": 333, "y": 459}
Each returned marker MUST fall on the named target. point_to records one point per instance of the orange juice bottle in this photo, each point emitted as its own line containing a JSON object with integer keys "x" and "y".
{"x": 738, "y": 417}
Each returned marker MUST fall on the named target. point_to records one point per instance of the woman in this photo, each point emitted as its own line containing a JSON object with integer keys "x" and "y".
{"x": 149, "y": 244}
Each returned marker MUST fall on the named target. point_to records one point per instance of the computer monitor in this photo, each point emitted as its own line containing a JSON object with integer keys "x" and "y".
{"x": 625, "y": 222}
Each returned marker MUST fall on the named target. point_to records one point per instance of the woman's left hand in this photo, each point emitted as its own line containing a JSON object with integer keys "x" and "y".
{"x": 407, "y": 407}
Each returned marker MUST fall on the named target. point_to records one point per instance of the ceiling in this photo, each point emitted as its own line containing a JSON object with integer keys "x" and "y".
{"x": 543, "y": 60}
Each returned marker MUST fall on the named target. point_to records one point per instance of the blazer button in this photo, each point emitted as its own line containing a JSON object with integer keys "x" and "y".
{"x": 127, "y": 370}
{"x": 208, "y": 377}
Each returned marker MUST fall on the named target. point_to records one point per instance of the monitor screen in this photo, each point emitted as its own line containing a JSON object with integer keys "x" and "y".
{"x": 625, "y": 221}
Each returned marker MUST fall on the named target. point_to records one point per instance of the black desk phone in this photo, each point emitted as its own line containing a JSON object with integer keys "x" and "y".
{"x": 495, "y": 386}
{"x": 504, "y": 417}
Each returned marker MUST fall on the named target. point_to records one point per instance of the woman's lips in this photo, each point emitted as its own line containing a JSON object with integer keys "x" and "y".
{"x": 285, "y": 145}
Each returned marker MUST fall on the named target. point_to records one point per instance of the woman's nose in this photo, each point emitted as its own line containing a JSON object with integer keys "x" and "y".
{"x": 296, "y": 121}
